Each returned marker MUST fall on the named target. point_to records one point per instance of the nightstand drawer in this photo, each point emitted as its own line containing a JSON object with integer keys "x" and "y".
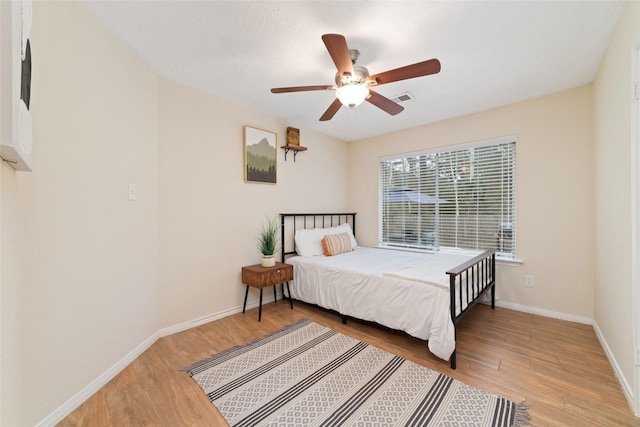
{"x": 280, "y": 275}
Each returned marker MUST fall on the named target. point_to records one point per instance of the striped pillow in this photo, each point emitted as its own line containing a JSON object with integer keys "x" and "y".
{"x": 334, "y": 244}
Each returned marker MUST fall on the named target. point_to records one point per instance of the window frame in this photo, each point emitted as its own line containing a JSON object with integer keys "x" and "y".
{"x": 510, "y": 255}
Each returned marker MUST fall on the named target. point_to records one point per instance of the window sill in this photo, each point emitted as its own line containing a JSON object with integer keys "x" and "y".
{"x": 509, "y": 262}
{"x": 405, "y": 249}
{"x": 500, "y": 261}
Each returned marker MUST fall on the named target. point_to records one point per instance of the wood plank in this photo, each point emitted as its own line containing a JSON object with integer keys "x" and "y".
{"x": 558, "y": 367}
{"x": 128, "y": 402}
{"x": 93, "y": 412}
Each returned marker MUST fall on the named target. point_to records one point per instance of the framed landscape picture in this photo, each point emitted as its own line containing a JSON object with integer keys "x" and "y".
{"x": 260, "y": 155}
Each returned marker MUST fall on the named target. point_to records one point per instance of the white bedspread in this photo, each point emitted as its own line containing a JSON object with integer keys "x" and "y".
{"x": 367, "y": 284}
{"x": 431, "y": 270}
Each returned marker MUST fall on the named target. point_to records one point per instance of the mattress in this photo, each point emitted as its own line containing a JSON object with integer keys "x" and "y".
{"x": 402, "y": 290}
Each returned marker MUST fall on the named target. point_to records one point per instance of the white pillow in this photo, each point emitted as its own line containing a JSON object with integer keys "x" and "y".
{"x": 309, "y": 241}
{"x": 343, "y": 228}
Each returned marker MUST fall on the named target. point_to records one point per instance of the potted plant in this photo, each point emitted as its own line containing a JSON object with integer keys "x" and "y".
{"x": 268, "y": 242}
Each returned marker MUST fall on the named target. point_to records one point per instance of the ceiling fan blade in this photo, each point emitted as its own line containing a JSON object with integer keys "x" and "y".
{"x": 424, "y": 68}
{"x": 331, "y": 111}
{"x": 300, "y": 88}
{"x": 384, "y": 103}
{"x": 337, "y": 46}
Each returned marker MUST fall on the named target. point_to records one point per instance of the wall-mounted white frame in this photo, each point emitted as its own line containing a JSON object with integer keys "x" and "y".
{"x": 16, "y": 129}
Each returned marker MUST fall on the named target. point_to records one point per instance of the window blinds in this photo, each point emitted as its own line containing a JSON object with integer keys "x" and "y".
{"x": 463, "y": 199}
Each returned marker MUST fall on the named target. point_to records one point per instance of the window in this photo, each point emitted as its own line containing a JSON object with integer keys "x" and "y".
{"x": 462, "y": 199}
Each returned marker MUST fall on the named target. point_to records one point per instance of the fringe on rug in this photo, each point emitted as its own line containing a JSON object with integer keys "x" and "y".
{"x": 199, "y": 363}
{"x": 522, "y": 417}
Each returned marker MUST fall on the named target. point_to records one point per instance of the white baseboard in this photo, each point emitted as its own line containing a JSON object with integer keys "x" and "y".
{"x": 201, "y": 321}
{"x": 624, "y": 384}
{"x": 71, "y": 404}
{"x": 84, "y": 394}
{"x": 626, "y": 388}
{"x": 210, "y": 318}
{"x": 545, "y": 312}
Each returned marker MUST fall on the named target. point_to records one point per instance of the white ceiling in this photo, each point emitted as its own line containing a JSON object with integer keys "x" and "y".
{"x": 493, "y": 53}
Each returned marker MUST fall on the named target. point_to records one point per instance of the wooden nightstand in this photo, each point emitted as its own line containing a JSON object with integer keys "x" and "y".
{"x": 261, "y": 277}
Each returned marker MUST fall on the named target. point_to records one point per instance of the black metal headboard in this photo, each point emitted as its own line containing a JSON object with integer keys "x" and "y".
{"x": 290, "y": 222}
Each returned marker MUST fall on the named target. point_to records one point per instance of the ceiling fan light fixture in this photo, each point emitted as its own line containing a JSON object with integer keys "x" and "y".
{"x": 352, "y": 82}
{"x": 352, "y": 95}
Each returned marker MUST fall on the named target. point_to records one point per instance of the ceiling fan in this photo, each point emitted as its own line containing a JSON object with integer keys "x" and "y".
{"x": 353, "y": 82}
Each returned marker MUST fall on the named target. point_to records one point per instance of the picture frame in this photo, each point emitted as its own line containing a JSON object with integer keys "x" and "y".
{"x": 260, "y": 155}
{"x": 293, "y": 136}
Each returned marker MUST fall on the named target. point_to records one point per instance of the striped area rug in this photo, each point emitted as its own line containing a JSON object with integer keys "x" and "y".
{"x": 307, "y": 374}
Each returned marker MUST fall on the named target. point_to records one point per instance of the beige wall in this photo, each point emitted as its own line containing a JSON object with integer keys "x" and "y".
{"x": 88, "y": 276}
{"x": 209, "y": 217}
{"x": 613, "y": 285}
{"x": 554, "y": 193}
{"x": 80, "y": 263}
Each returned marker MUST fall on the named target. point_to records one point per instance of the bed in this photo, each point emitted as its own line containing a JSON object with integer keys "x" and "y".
{"x": 422, "y": 294}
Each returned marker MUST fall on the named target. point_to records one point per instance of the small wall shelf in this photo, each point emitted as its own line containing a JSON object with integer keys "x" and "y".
{"x": 295, "y": 148}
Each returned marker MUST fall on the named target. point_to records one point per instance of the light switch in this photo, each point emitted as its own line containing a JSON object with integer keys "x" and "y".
{"x": 133, "y": 192}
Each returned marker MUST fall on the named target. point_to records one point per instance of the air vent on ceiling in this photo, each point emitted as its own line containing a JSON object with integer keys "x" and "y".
{"x": 403, "y": 97}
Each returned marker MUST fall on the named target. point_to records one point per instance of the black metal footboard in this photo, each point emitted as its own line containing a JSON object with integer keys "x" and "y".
{"x": 467, "y": 283}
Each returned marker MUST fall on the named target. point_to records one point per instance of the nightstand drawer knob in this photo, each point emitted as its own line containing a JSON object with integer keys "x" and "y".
{"x": 278, "y": 271}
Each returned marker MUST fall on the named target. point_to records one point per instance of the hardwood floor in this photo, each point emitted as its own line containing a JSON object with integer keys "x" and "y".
{"x": 558, "y": 367}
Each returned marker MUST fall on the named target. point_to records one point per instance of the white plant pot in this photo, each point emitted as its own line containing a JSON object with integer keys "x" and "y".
{"x": 268, "y": 260}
